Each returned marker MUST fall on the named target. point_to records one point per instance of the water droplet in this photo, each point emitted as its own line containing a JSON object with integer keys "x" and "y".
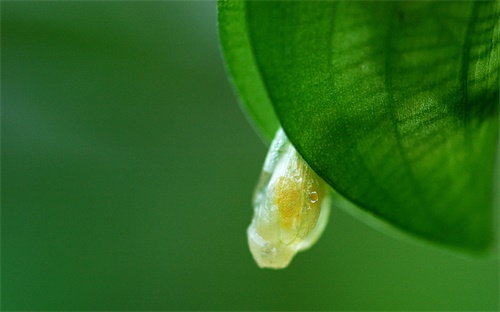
{"x": 314, "y": 197}
{"x": 286, "y": 219}
{"x": 297, "y": 177}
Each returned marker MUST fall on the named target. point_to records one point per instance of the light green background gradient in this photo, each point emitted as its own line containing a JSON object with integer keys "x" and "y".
{"x": 127, "y": 173}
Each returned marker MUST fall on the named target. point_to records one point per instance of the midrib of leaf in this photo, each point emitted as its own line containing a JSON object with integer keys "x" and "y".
{"x": 464, "y": 71}
{"x": 360, "y": 161}
{"x": 417, "y": 190}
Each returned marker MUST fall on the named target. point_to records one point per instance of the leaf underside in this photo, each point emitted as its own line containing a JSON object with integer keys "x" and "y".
{"x": 394, "y": 104}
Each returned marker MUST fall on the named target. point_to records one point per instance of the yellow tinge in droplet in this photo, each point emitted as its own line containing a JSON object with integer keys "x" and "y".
{"x": 291, "y": 206}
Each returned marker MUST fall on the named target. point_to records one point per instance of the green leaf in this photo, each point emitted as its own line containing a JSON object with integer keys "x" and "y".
{"x": 394, "y": 104}
{"x": 242, "y": 67}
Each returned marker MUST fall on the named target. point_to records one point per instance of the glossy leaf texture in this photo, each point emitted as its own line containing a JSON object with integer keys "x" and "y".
{"x": 394, "y": 104}
{"x": 242, "y": 67}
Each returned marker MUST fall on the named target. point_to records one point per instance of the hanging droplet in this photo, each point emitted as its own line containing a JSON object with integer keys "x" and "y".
{"x": 291, "y": 206}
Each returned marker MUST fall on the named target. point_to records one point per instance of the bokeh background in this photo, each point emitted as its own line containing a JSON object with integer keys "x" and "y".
{"x": 127, "y": 174}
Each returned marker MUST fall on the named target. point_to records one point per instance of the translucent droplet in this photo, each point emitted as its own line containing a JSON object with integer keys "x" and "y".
{"x": 291, "y": 207}
{"x": 313, "y": 197}
{"x": 297, "y": 177}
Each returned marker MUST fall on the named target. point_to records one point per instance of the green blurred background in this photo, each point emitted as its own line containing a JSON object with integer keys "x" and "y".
{"x": 127, "y": 174}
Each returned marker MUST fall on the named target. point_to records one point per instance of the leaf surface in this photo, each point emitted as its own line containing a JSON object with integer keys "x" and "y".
{"x": 242, "y": 67}
{"x": 394, "y": 104}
